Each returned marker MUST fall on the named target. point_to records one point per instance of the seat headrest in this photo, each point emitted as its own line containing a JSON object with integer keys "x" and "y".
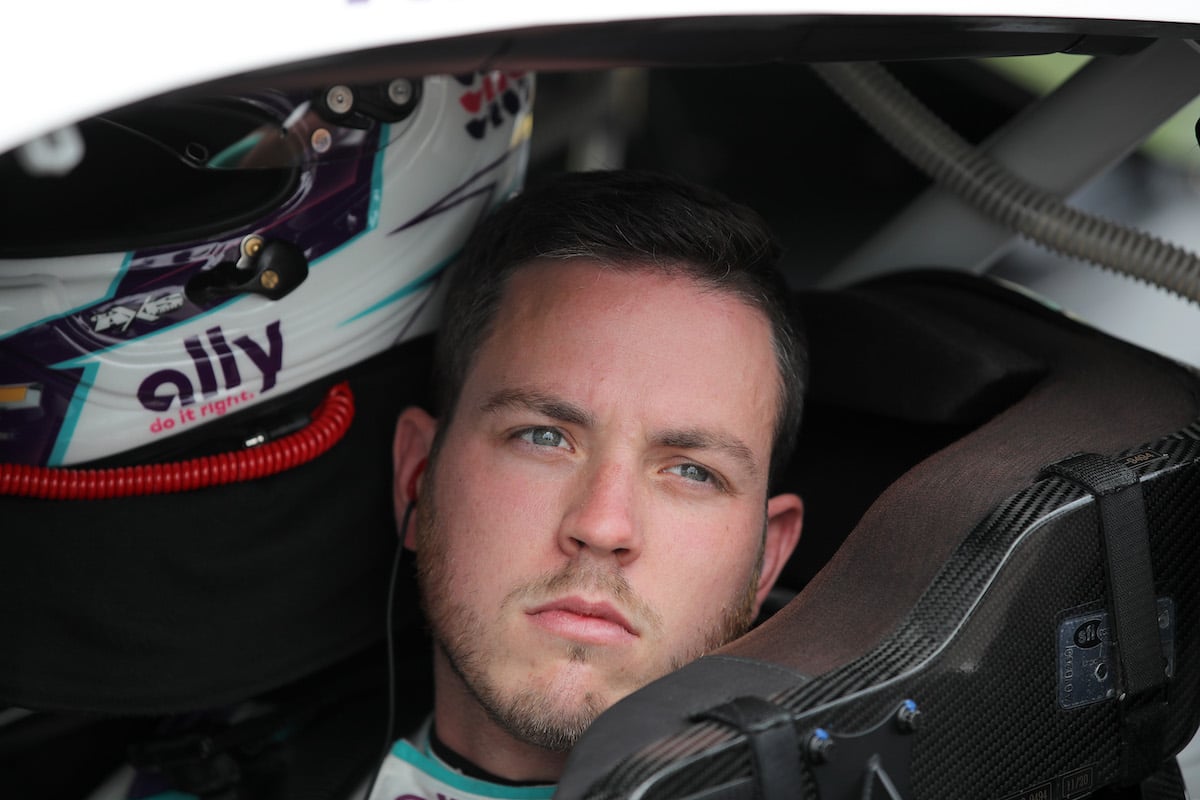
{"x": 875, "y": 353}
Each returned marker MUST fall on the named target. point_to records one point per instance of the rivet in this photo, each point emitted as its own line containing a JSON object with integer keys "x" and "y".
{"x": 251, "y": 245}
{"x": 321, "y": 140}
{"x": 819, "y": 746}
{"x": 269, "y": 279}
{"x": 339, "y": 99}
{"x": 400, "y": 91}
{"x": 908, "y": 716}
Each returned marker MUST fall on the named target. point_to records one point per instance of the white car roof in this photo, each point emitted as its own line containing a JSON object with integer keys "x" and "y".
{"x": 66, "y": 60}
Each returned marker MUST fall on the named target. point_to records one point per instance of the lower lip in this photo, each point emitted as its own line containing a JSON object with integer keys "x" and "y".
{"x": 582, "y": 628}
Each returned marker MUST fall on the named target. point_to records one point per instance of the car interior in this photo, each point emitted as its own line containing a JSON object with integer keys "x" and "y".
{"x": 996, "y": 594}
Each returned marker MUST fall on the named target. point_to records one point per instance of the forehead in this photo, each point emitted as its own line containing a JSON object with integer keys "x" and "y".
{"x": 631, "y": 336}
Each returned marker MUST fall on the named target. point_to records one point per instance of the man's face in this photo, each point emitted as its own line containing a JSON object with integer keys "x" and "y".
{"x": 599, "y": 498}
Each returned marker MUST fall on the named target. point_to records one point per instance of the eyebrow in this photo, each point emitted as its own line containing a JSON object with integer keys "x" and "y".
{"x": 564, "y": 411}
{"x": 700, "y": 439}
{"x": 547, "y": 405}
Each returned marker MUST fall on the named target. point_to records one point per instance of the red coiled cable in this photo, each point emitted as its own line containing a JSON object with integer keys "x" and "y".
{"x": 330, "y": 422}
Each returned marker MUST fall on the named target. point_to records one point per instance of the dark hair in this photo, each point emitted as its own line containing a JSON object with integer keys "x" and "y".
{"x": 624, "y": 220}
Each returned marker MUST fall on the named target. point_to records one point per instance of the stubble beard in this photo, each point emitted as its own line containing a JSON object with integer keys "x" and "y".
{"x": 552, "y": 720}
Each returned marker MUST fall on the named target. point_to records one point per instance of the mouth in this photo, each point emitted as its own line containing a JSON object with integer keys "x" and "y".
{"x": 583, "y": 621}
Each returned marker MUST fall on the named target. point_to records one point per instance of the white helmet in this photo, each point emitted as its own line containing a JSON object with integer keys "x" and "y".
{"x": 209, "y": 254}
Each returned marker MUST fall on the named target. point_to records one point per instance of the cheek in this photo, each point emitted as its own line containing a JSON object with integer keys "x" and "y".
{"x": 493, "y": 522}
{"x": 701, "y": 567}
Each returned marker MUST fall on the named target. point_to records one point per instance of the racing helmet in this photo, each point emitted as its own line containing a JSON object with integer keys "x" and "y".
{"x": 207, "y": 254}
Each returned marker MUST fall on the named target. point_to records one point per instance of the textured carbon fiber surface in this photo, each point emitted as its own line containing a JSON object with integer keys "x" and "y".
{"x": 979, "y": 655}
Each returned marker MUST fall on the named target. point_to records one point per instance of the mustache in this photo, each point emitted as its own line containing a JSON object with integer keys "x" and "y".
{"x": 593, "y": 581}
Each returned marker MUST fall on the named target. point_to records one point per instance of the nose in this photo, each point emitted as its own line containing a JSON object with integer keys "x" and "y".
{"x": 601, "y": 519}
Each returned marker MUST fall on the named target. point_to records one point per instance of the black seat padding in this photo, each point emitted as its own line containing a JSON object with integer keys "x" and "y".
{"x": 1096, "y": 394}
{"x": 952, "y": 393}
{"x": 895, "y": 378}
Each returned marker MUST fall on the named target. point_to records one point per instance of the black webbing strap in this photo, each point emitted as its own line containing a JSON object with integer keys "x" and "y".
{"x": 1133, "y": 609}
{"x": 774, "y": 745}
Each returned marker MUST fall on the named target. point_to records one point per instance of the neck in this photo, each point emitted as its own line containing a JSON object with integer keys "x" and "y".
{"x": 464, "y": 727}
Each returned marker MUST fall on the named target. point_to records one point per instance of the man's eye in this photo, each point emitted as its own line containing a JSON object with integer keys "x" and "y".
{"x": 693, "y": 472}
{"x": 543, "y": 437}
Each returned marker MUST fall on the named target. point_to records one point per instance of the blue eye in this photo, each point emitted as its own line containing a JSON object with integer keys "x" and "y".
{"x": 693, "y": 472}
{"x": 543, "y": 437}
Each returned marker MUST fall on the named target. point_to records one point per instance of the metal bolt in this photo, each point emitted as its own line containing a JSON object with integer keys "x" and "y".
{"x": 908, "y": 716}
{"x": 251, "y": 245}
{"x": 321, "y": 140}
{"x": 400, "y": 91}
{"x": 269, "y": 279}
{"x": 819, "y": 746}
{"x": 339, "y": 99}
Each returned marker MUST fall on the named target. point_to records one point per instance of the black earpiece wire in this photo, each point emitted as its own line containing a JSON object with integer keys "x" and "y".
{"x": 390, "y": 639}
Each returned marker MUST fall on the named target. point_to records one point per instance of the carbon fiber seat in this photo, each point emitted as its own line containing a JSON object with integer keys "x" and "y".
{"x": 961, "y": 641}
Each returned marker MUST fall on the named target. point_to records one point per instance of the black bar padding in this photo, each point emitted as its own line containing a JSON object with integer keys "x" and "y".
{"x": 774, "y": 747}
{"x": 1129, "y": 573}
{"x": 1132, "y": 603}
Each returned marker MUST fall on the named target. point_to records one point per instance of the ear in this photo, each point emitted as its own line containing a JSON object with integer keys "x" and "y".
{"x": 410, "y": 449}
{"x": 785, "y": 517}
